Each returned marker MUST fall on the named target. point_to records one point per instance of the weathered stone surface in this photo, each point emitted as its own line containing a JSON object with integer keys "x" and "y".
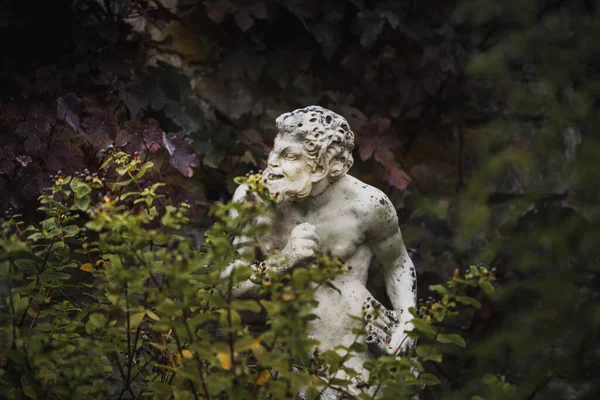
{"x": 320, "y": 208}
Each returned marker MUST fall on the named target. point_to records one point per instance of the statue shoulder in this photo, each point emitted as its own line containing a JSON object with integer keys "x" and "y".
{"x": 241, "y": 193}
{"x": 368, "y": 198}
{"x": 374, "y": 207}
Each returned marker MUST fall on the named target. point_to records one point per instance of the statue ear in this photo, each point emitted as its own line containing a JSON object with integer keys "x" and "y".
{"x": 318, "y": 173}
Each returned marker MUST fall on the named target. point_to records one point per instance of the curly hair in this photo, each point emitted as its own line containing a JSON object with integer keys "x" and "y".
{"x": 327, "y": 137}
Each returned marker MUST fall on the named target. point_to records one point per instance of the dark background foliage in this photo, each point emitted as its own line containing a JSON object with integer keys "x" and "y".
{"x": 477, "y": 118}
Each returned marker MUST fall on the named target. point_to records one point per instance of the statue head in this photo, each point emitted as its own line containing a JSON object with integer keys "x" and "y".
{"x": 313, "y": 144}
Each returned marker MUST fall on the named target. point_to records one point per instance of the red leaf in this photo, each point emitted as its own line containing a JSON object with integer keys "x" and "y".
{"x": 38, "y": 123}
{"x": 243, "y": 20}
{"x": 397, "y": 177}
{"x": 153, "y": 136}
{"x": 182, "y": 157}
{"x": 65, "y": 156}
{"x": 138, "y": 137}
{"x": 32, "y": 144}
{"x": 67, "y": 109}
{"x": 383, "y": 154}
{"x": 11, "y": 113}
{"x": 366, "y": 149}
{"x": 100, "y": 128}
{"x": 258, "y": 10}
{"x": 6, "y": 161}
{"x": 218, "y": 11}
{"x": 134, "y": 98}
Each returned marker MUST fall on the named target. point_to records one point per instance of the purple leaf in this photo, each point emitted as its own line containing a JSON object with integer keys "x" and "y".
{"x": 243, "y": 20}
{"x": 32, "y": 144}
{"x": 258, "y": 10}
{"x": 134, "y": 98}
{"x": 38, "y": 123}
{"x": 182, "y": 157}
{"x": 398, "y": 178}
{"x": 64, "y": 155}
{"x": 48, "y": 78}
{"x": 6, "y": 161}
{"x": 67, "y": 109}
{"x": 100, "y": 127}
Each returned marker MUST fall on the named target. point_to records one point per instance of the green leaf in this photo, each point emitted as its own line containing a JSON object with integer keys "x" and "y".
{"x": 469, "y": 301}
{"x": 82, "y": 203}
{"x": 429, "y": 353}
{"x": 83, "y": 189}
{"x": 26, "y": 266}
{"x": 451, "y": 338}
{"x": 136, "y": 319}
{"x": 246, "y": 305}
{"x": 20, "y": 303}
{"x": 439, "y": 289}
{"x": 106, "y": 162}
{"x": 70, "y": 230}
{"x": 424, "y": 327}
{"x": 247, "y": 343}
{"x": 358, "y": 347}
{"x": 301, "y": 278}
{"x": 487, "y": 287}
{"x": 429, "y": 379}
{"x": 98, "y": 320}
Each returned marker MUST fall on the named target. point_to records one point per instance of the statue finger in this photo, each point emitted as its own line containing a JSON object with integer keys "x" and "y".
{"x": 306, "y": 226}
{"x": 376, "y": 340}
{"x": 307, "y": 244}
{"x": 375, "y": 309}
{"x": 306, "y": 234}
{"x": 305, "y": 253}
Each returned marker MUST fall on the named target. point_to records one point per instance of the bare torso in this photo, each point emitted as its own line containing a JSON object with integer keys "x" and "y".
{"x": 341, "y": 216}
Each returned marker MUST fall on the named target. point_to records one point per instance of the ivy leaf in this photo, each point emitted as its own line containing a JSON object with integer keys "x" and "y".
{"x": 137, "y": 136}
{"x": 48, "y": 78}
{"x": 369, "y": 25}
{"x": 134, "y": 98}
{"x": 182, "y": 157}
{"x": 100, "y": 127}
{"x": 6, "y": 161}
{"x": 379, "y": 143}
{"x": 64, "y": 155}
{"x": 243, "y": 20}
{"x": 32, "y": 144}
{"x": 397, "y": 177}
{"x": 67, "y": 109}
{"x": 38, "y": 123}
{"x": 11, "y": 113}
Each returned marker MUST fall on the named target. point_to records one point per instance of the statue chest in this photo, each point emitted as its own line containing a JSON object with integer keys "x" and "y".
{"x": 340, "y": 231}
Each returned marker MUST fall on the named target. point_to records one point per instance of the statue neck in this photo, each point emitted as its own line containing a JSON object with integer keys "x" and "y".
{"x": 320, "y": 187}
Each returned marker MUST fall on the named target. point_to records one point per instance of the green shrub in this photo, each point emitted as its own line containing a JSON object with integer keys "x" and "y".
{"x": 107, "y": 298}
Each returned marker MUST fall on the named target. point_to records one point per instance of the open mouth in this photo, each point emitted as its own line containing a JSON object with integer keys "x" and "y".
{"x": 274, "y": 177}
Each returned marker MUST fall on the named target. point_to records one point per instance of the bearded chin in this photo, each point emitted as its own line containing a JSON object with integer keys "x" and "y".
{"x": 291, "y": 190}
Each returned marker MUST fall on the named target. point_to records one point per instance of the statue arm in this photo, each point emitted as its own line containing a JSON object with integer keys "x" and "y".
{"x": 246, "y": 288}
{"x": 282, "y": 262}
{"x": 398, "y": 270}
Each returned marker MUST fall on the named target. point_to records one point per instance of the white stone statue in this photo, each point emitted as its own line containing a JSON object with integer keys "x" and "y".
{"x": 320, "y": 208}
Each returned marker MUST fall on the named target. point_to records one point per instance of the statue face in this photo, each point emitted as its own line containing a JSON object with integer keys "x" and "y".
{"x": 288, "y": 174}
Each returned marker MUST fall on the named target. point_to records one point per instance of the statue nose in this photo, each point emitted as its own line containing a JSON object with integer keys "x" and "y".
{"x": 272, "y": 162}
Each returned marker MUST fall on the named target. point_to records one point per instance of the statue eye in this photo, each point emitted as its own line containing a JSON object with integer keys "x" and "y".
{"x": 290, "y": 156}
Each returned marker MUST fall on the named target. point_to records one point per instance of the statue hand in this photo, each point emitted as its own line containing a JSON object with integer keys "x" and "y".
{"x": 385, "y": 333}
{"x": 400, "y": 342}
{"x": 302, "y": 244}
